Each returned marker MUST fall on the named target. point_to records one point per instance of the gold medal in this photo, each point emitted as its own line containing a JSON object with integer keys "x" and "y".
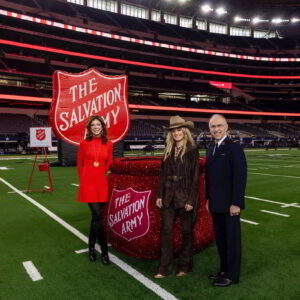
{"x": 96, "y": 164}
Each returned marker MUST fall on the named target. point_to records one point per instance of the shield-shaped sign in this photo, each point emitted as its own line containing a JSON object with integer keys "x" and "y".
{"x": 76, "y": 97}
{"x": 128, "y": 214}
{"x": 40, "y": 134}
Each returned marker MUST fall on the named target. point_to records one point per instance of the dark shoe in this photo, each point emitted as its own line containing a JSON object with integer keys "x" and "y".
{"x": 105, "y": 259}
{"x": 92, "y": 254}
{"x": 223, "y": 282}
{"x": 216, "y": 275}
{"x": 92, "y": 242}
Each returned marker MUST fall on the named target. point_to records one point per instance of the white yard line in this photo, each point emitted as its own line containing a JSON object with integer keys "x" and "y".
{"x": 155, "y": 288}
{"x": 264, "y": 174}
{"x": 272, "y": 166}
{"x": 32, "y": 271}
{"x": 13, "y": 192}
{"x": 274, "y": 213}
{"x": 97, "y": 247}
{"x": 252, "y": 169}
{"x": 250, "y": 222}
{"x": 277, "y": 159}
{"x": 81, "y": 251}
{"x": 291, "y": 166}
{"x": 262, "y": 164}
{"x": 284, "y": 205}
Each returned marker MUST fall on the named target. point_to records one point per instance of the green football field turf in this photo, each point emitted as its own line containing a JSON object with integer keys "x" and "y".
{"x": 271, "y": 249}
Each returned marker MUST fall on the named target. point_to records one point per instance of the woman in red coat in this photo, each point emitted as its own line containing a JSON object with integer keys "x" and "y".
{"x": 95, "y": 158}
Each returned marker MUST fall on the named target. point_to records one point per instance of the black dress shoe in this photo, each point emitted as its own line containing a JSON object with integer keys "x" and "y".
{"x": 105, "y": 259}
{"x": 216, "y": 275}
{"x": 223, "y": 282}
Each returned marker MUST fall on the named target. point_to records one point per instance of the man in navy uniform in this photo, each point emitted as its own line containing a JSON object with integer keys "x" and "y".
{"x": 226, "y": 176}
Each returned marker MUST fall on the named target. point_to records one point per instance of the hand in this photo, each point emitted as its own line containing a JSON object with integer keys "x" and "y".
{"x": 234, "y": 210}
{"x": 188, "y": 207}
{"x": 107, "y": 173}
{"x": 207, "y": 205}
{"x": 159, "y": 202}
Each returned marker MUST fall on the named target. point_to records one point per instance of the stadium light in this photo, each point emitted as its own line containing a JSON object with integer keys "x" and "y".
{"x": 221, "y": 11}
{"x": 295, "y": 20}
{"x": 239, "y": 19}
{"x": 257, "y": 20}
{"x": 206, "y": 8}
{"x": 278, "y": 21}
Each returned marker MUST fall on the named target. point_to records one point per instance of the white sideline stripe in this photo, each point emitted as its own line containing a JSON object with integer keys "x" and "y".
{"x": 75, "y": 184}
{"x": 250, "y": 222}
{"x": 276, "y": 202}
{"x": 18, "y": 158}
{"x": 274, "y": 213}
{"x": 155, "y": 288}
{"x": 252, "y": 169}
{"x": 285, "y": 176}
{"x": 14, "y": 158}
{"x": 32, "y": 271}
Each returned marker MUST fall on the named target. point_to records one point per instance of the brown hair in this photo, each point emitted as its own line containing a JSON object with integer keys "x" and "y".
{"x": 89, "y": 135}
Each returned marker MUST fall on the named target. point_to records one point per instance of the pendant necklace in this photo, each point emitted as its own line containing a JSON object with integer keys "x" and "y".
{"x": 177, "y": 150}
{"x": 96, "y": 162}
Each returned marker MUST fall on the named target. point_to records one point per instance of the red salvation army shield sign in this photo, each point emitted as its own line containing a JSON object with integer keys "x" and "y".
{"x": 40, "y": 134}
{"x": 76, "y": 97}
{"x": 128, "y": 214}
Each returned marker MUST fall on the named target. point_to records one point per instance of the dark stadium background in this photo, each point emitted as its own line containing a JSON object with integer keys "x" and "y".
{"x": 27, "y": 72}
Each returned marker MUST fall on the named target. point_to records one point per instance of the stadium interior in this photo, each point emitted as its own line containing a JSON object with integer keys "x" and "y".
{"x": 193, "y": 58}
{"x": 167, "y": 66}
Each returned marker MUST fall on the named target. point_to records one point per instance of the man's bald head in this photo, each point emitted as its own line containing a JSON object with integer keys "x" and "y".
{"x": 218, "y": 126}
{"x": 217, "y": 116}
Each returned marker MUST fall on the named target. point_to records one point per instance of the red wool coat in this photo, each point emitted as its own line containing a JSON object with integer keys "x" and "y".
{"x": 93, "y": 180}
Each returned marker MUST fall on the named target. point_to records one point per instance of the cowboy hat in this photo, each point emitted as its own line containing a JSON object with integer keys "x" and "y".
{"x": 177, "y": 121}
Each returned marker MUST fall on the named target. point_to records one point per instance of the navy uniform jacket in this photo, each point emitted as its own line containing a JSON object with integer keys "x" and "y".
{"x": 226, "y": 176}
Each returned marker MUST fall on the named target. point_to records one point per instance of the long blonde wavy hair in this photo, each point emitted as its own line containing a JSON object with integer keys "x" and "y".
{"x": 170, "y": 143}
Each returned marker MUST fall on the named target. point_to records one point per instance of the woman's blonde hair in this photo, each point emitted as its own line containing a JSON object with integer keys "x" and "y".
{"x": 170, "y": 143}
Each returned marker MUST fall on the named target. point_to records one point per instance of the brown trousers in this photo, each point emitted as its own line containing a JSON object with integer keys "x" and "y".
{"x": 168, "y": 217}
